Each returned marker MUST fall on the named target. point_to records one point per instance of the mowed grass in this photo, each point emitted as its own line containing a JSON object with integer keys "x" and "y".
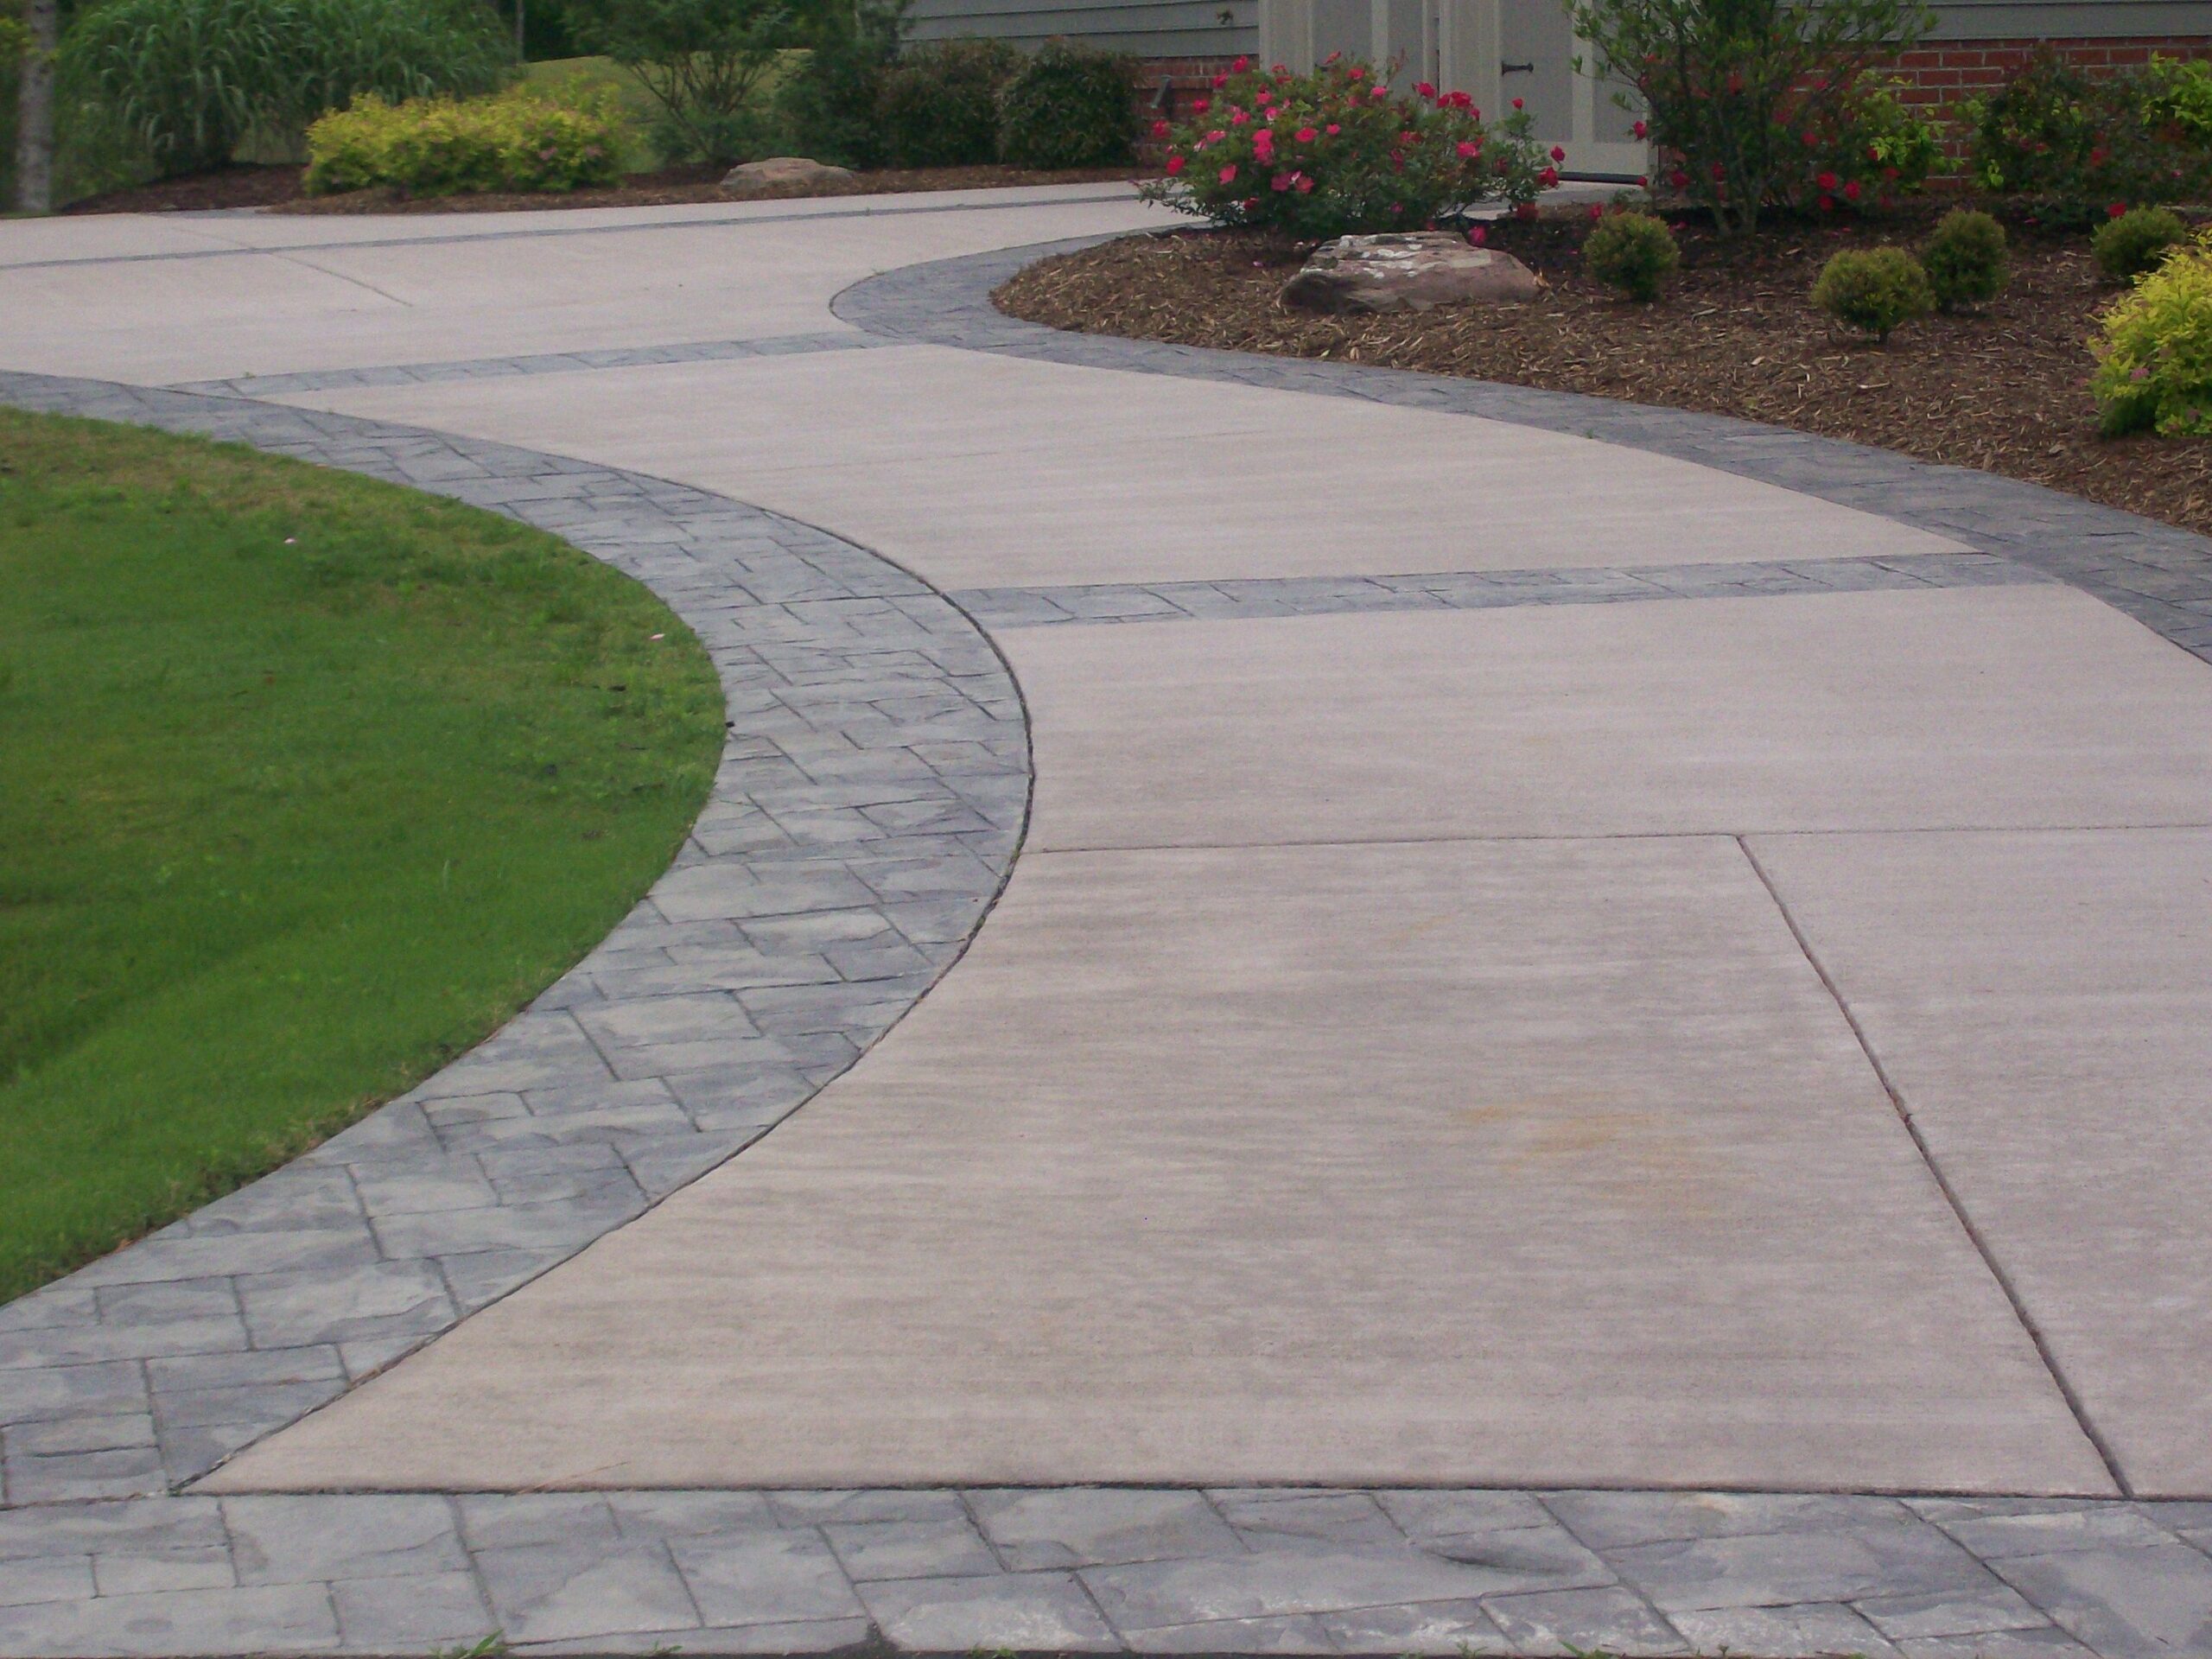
{"x": 307, "y": 783}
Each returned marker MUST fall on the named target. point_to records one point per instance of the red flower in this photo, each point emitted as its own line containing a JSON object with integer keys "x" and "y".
{"x": 1281, "y": 182}
{"x": 1827, "y": 181}
{"x": 1238, "y": 119}
{"x": 1827, "y": 204}
{"x": 1229, "y": 174}
{"x": 1424, "y": 89}
{"x": 1679, "y": 179}
{"x": 1332, "y": 129}
{"x": 1643, "y": 129}
{"x": 1558, "y": 154}
{"x": 2116, "y": 210}
{"x": 1889, "y": 172}
{"x": 1851, "y": 191}
{"x": 1174, "y": 165}
{"x": 1524, "y": 210}
{"x": 1549, "y": 177}
{"x": 1307, "y": 135}
{"x": 1469, "y": 150}
{"x": 1160, "y": 129}
{"x": 1378, "y": 91}
{"x": 1305, "y": 185}
{"x": 1517, "y": 103}
{"x": 1357, "y": 72}
{"x": 1201, "y": 106}
{"x": 1240, "y": 65}
{"x": 1477, "y": 235}
{"x": 1220, "y": 81}
{"x": 1643, "y": 181}
{"x": 1265, "y": 98}
{"x": 1596, "y": 211}
{"x": 1407, "y": 139}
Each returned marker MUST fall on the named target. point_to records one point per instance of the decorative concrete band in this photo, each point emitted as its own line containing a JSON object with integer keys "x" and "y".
{"x": 2155, "y": 573}
{"x": 999, "y": 609}
{"x": 864, "y": 816}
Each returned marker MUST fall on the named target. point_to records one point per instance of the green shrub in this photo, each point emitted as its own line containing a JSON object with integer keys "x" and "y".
{"x": 435, "y": 147}
{"x": 193, "y": 80}
{"x": 826, "y": 105}
{"x": 2136, "y": 241}
{"x": 1744, "y": 94}
{"x": 2154, "y": 372}
{"x": 1868, "y": 148}
{"x": 1966, "y": 259}
{"x": 2072, "y": 148}
{"x": 1069, "y": 105}
{"x": 1336, "y": 153}
{"x": 938, "y": 105}
{"x": 2178, "y": 93}
{"x": 1874, "y": 289}
{"x": 1633, "y": 252}
{"x": 707, "y": 63}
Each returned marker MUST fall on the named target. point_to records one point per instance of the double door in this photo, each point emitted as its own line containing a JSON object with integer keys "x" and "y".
{"x": 1494, "y": 50}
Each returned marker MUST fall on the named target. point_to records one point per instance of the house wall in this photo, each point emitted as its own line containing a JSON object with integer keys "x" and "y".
{"x": 1152, "y": 30}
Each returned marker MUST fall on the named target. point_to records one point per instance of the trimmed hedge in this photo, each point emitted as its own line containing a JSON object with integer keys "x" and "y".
{"x": 435, "y": 147}
{"x": 1069, "y": 105}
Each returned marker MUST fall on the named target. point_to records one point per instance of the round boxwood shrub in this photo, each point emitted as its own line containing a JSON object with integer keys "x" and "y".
{"x": 1874, "y": 289}
{"x": 1069, "y": 105}
{"x": 938, "y": 105}
{"x": 2137, "y": 242}
{"x": 1966, "y": 259}
{"x": 2154, "y": 369}
{"x": 1633, "y": 252}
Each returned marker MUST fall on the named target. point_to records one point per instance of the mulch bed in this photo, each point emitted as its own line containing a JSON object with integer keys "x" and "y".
{"x": 278, "y": 189}
{"x": 2005, "y": 390}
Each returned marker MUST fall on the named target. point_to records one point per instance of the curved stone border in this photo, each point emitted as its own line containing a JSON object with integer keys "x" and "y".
{"x": 865, "y": 814}
{"x": 2157, "y": 574}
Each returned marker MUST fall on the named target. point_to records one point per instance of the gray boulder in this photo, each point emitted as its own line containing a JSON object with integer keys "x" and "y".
{"x": 782, "y": 173}
{"x": 1408, "y": 271}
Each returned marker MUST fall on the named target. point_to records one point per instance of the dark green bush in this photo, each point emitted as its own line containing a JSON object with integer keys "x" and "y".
{"x": 703, "y": 61}
{"x": 938, "y": 105}
{"x": 1874, "y": 289}
{"x": 827, "y": 104}
{"x": 193, "y": 80}
{"x": 1069, "y": 105}
{"x": 2137, "y": 242}
{"x": 2070, "y": 148}
{"x": 1966, "y": 259}
{"x": 1632, "y": 252}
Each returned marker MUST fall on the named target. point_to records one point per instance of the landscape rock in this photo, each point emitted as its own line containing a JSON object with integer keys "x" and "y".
{"x": 782, "y": 173}
{"x": 1409, "y": 270}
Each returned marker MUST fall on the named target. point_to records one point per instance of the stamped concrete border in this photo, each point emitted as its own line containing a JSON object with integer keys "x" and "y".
{"x": 2155, "y": 573}
{"x": 865, "y": 813}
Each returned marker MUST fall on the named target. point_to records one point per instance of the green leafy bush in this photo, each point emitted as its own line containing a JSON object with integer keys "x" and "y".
{"x": 1633, "y": 252}
{"x": 1874, "y": 290}
{"x": 193, "y": 80}
{"x": 938, "y": 105}
{"x": 826, "y": 105}
{"x": 1966, "y": 259}
{"x": 1869, "y": 148}
{"x": 2154, "y": 370}
{"x": 2178, "y": 92}
{"x": 2136, "y": 241}
{"x": 707, "y": 63}
{"x": 2074, "y": 150}
{"x": 1336, "y": 153}
{"x": 1069, "y": 105}
{"x": 1745, "y": 94}
{"x": 435, "y": 147}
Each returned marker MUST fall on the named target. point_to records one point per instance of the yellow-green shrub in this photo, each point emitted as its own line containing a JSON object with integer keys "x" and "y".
{"x": 515, "y": 140}
{"x": 2154, "y": 370}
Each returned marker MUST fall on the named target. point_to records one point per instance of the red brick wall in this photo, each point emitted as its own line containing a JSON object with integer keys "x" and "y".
{"x": 1943, "y": 73}
{"x": 1188, "y": 79}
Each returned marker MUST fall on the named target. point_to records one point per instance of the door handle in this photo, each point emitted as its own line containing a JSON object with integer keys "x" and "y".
{"x": 1516, "y": 68}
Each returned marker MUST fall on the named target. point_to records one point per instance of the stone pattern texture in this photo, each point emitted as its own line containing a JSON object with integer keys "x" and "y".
{"x": 2157, "y": 574}
{"x": 998, "y": 608}
{"x": 865, "y": 814}
{"x": 1110, "y": 1570}
{"x": 1408, "y": 271}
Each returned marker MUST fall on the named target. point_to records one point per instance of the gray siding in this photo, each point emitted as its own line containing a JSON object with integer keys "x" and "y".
{"x": 2059, "y": 20}
{"x": 1150, "y": 29}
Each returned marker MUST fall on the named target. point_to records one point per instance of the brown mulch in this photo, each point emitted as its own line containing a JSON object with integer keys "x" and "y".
{"x": 2005, "y": 390}
{"x": 278, "y": 189}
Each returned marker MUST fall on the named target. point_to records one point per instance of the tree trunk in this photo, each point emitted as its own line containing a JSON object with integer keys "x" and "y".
{"x": 35, "y": 111}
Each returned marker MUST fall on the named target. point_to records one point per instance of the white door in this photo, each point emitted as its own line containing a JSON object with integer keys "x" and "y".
{"x": 1500, "y": 50}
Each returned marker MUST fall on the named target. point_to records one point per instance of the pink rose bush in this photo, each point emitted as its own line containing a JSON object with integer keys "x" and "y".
{"x": 1337, "y": 152}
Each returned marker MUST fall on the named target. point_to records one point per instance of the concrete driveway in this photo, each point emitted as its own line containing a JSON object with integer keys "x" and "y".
{"x": 1534, "y": 962}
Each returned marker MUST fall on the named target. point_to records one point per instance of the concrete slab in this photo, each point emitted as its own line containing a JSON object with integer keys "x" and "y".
{"x": 2017, "y": 706}
{"x": 981, "y": 471}
{"x": 1259, "y": 1166}
{"x": 370, "y": 292}
{"x": 2043, "y": 1003}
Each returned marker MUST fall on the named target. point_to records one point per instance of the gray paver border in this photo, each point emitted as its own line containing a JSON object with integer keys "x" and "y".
{"x": 865, "y": 814}
{"x": 2159, "y": 574}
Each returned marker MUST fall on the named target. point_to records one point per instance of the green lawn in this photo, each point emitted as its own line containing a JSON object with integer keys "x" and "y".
{"x": 305, "y": 784}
